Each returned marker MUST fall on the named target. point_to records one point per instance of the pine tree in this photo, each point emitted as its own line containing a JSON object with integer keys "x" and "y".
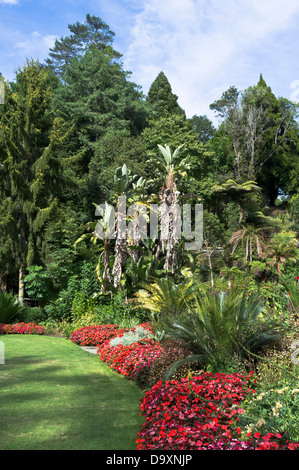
{"x": 32, "y": 177}
{"x": 98, "y": 101}
{"x": 92, "y": 31}
{"x": 161, "y": 99}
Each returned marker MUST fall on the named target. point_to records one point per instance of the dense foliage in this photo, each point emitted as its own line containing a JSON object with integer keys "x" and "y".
{"x": 85, "y": 159}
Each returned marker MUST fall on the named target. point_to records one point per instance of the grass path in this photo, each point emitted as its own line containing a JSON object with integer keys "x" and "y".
{"x": 56, "y": 396}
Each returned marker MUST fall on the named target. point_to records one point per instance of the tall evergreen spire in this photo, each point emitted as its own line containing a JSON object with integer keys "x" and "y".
{"x": 162, "y": 99}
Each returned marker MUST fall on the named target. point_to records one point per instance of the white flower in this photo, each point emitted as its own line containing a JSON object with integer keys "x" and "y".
{"x": 261, "y": 422}
{"x": 276, "y": 408}
{"x": 282, "y": 390}
{"x": 260, "y": 396}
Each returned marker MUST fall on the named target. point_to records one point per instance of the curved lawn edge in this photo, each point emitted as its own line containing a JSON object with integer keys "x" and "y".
{"x": 56, "y": 396}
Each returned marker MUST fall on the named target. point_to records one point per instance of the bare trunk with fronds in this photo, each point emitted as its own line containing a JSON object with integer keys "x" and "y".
{"x": 120, "y": 250}
{"x": 170, "y": 227}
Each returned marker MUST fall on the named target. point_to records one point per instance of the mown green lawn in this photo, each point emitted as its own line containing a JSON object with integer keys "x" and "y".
{"x": 56, "y": 396}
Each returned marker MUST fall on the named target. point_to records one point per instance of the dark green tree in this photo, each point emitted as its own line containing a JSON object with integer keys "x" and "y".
{"x": 32, "y": 177}
{"x": 99, "y": 101}
{"x": 92, "y": 31}
{"x": 203, "y": 127}
{"x": 161, "y": 99}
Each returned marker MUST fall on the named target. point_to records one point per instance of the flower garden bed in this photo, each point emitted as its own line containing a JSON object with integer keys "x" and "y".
{"x": 96, "y": 335}
{"x": 199, "y": 412}
{"x": 93, "y": 335}
{"x": 21, "y": 328}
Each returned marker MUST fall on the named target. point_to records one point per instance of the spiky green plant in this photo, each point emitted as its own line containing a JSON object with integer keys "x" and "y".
{"x": 9, "y": 307}
{"x": 222, "y": 329}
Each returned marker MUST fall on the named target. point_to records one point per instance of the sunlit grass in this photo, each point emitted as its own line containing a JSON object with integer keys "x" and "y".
{"x": 54, "y": 396}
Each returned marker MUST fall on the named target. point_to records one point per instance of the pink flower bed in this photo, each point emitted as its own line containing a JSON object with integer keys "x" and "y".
{"x": 21, "y": 328}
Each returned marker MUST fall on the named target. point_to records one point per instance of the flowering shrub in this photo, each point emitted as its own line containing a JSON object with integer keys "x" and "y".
{"x": 274, "y": 410}
{"x": 198, "y": 413}
{"x": 21, "y": 328}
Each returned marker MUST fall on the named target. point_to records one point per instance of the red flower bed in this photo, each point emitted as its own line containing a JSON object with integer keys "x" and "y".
{"x": 94, "y": 335}
{"x": 130, "y": 360}
{"x": 21, "y": 328}
{"x": 199, "y": 414}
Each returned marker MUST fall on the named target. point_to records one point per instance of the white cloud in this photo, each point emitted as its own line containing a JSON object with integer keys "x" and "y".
{"x": 205, "y": 46}
{"x": 36, "y": 45}
{"x": 9, "y": 2}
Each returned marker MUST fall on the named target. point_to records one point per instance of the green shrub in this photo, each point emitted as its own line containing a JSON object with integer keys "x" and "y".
{"x": 32, "y": 315}
{"x": 119, "y": 311}
{"x": 54, "y": 328}
{"x": 38, "y": 284}
{"x": 81, "y": 287}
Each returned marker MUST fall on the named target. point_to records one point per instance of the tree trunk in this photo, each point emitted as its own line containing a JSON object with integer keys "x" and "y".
{"x": 3, "y": 283}
{"x": 121, "y": 251}
{"x": 106, "y": 272}
{"x": 21, "y": 284}
{"x": 170, "y": 228}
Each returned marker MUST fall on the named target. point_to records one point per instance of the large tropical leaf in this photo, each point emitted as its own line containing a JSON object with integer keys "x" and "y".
{"x": 9, "y": 307}
{"x": 165, "y": 298}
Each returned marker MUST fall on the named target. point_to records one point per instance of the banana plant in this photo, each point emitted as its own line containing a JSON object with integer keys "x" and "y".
{"x": 123, "y": 183}
{"x": 105, "y": 231}
{"x": 170, "y": 165}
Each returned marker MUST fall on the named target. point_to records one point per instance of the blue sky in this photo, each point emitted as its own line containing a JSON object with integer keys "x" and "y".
{"x": 203, "y": 46}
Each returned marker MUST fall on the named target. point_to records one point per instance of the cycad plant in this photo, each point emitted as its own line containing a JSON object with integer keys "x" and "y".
{"x": 223, "y": 329}
{"x": 9, "y": 307}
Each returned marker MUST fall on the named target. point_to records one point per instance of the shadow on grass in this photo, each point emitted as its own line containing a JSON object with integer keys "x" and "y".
{"x": 79, "y": 404}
